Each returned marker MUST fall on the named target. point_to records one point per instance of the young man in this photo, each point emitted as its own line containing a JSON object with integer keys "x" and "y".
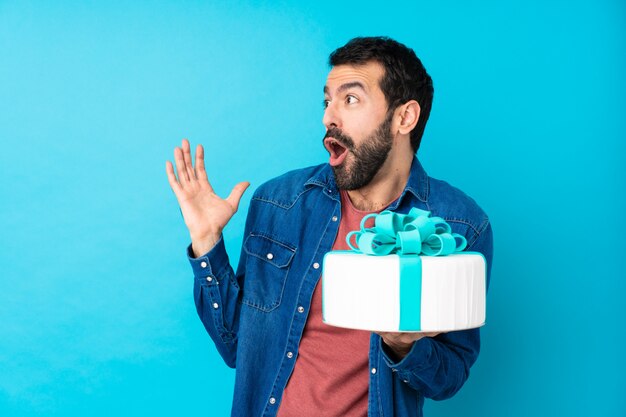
{"x": 265, "y": 319}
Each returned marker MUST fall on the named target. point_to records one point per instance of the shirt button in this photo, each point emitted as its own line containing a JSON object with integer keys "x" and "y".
{"x": 334, "y": 218}
{"x": 373, "y": 370}
{"x": 316, "y": 265}
{"x": 203, "y": 264}
{"x": 300, "y": 309}
{"x": 270, "y": 256}
{"x": 215, "y": 305}
{"x": 210, "y": 279}
{"x": 290, "y": 355}
{"x": 272, "y": 400}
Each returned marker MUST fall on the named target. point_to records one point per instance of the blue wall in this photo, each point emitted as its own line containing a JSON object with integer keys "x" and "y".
{"x": 96, "y": 311}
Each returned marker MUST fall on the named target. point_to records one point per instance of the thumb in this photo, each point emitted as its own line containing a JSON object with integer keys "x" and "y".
{"x": 235, "y": 195}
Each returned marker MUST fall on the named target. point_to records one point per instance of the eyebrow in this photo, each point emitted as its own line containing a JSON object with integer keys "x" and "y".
{"x": 347, "y": 86}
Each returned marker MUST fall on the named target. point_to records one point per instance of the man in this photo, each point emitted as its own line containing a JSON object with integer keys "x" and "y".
{"x": 265, "y": 320}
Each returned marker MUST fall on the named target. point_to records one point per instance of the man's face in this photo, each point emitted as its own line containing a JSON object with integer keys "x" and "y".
{"x": 358, "y": 125}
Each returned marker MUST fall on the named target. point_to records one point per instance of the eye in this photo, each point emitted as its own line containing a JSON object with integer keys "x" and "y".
{"x": 325, "y": 103}
{"x": 350, "y": 99}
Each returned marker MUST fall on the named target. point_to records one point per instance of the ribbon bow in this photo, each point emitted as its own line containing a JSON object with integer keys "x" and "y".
{"x": 413, "y": 233}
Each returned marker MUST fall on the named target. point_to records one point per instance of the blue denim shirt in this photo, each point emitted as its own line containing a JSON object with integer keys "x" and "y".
{"x": 256, "y": 316}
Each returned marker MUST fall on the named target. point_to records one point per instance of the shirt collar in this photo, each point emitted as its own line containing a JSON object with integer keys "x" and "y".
{"x": 417, "y": 184}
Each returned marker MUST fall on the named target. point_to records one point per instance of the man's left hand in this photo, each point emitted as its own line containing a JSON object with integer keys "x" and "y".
{"x": 401, "y": 343}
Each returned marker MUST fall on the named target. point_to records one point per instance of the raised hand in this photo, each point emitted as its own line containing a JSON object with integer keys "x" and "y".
{"x": 205, "y": 213}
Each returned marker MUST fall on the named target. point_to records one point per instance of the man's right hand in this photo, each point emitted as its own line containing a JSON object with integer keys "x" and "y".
{"x": 205, "y": 213}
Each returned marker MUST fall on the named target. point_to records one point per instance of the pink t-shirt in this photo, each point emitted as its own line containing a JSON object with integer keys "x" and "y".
{"x": 331, "y": 375}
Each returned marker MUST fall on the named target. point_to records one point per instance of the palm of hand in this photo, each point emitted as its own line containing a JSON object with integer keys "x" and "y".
{"x": 205, "y": 213}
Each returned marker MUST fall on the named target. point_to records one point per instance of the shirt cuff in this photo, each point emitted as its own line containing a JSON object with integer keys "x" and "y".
{"x": 204, "y": 265}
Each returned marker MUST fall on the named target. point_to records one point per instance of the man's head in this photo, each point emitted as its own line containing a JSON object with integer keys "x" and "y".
{"x": 377, "y": 98}
{"x": 404, "y": 78}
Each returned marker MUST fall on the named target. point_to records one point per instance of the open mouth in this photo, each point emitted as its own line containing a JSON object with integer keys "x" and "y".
{"x": 337, "y": 151}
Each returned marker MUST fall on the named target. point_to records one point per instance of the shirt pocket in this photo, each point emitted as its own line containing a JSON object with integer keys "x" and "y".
{"x": 267, "y": 266}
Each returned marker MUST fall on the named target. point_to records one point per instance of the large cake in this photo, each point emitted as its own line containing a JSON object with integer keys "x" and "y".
{"x": 379, "y": 293}
{"x": 404, "y": 292}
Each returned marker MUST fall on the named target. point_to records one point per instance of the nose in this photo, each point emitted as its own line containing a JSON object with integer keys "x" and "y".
{"x": 331, "y": 116}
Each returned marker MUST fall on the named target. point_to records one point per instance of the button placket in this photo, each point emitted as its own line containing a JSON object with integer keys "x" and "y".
{"x": 300, "y": 310}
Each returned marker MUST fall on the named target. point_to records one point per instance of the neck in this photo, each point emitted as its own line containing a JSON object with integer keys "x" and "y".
{"x": 385, "y": 187}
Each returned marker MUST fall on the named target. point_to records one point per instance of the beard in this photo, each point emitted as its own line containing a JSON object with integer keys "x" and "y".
{"x": 369, "y": 156}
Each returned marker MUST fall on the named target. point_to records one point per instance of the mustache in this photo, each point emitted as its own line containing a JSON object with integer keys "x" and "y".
{"x": 337, "y": 134}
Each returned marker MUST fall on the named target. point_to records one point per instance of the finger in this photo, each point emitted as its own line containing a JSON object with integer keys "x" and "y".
{"x": 183, "y": 178}
{"x": 388, "y": 337}
{"x": 187, "y": 158}
{"x": 200, "y": 170}
{"x": 382, "y": 335}
{"x": 235, "y": 195}
{"x": 171, "y": 177}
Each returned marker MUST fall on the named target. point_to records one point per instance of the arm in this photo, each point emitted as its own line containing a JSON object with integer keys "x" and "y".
{"x": 438, "y": 366}
{"x": 206, "y": 214}
{"x": 215, "y": 293}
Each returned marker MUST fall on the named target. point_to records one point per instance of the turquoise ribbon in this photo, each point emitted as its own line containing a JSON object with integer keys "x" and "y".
{"x": 410, "y": 293}
{"x": 413, "y": 233}
{"x": 407, "y": 235}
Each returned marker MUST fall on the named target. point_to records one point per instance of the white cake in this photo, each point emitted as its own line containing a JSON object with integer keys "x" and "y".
{"x": 370, "y": 293}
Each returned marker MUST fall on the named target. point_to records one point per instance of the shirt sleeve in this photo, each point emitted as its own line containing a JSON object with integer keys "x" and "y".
{"x": 216, "y": 294}
{"x": 439, "y": 366}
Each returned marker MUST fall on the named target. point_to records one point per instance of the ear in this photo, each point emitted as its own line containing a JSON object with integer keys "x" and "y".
{"x": 409, "y": 114}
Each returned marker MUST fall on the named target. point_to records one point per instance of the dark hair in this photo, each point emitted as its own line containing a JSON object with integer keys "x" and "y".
{"x": 405, "y": 77}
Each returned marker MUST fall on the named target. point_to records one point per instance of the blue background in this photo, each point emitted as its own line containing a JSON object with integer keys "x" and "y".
{"x": 96, "y": 308}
